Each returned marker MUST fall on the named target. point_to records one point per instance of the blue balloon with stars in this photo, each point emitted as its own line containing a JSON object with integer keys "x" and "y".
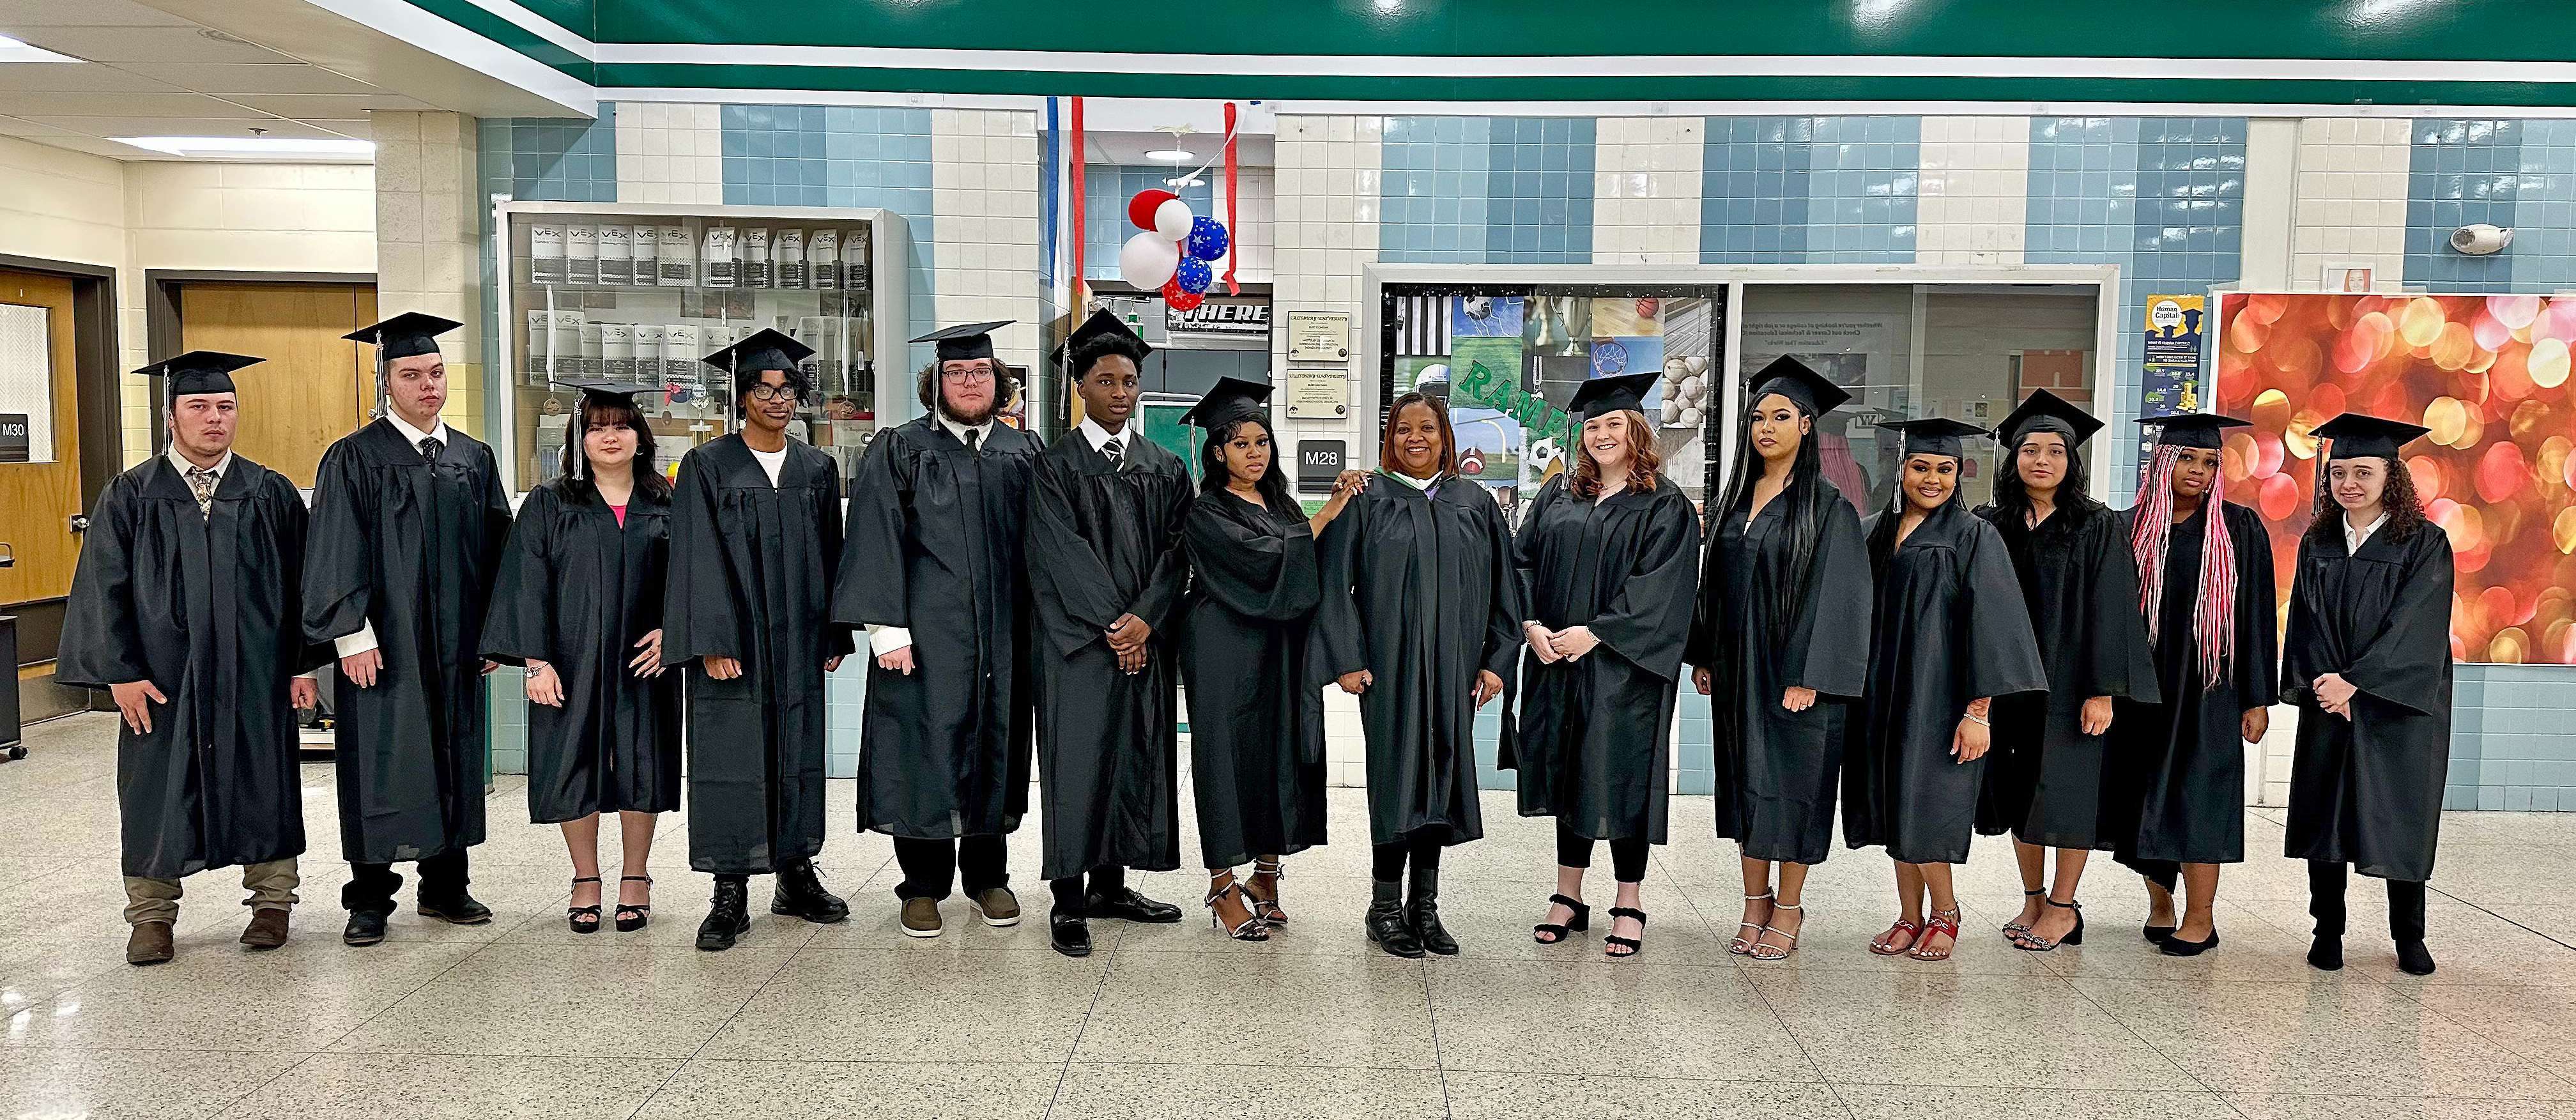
{"x": 1207, "y": 239}
{"x": 1193, "y": 276}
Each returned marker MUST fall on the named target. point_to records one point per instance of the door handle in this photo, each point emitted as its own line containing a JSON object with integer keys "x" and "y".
{"x": 80, "y": 523}
{"x": 8, "y": 556}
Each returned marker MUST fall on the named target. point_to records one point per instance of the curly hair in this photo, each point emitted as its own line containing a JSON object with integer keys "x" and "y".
{"x": 2404, "y": 507}
{"x": 1643, "y": 459}
{"x": 1006, "y": 386}
{"x": 1439, "y": 412}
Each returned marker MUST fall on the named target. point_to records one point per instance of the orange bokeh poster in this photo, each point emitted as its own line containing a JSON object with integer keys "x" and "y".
{"x": 2488, "y": 374}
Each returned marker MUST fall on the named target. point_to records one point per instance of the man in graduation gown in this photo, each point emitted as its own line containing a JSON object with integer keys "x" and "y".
{"x": 185, "y": 608}
{"x": 936, "y": 571}
{"x": 1106, "y": 567}
{"x": 755, "y": 539}
{"x": 2367, "y": 658}
{"x": 409, "y": 519}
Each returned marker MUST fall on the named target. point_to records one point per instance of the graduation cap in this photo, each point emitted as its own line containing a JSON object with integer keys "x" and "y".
{"x": 404, "y": 335}
{"x": 765, "y": 350}
{"x": 198, "y": 371}
{"x": 1101, "y": 324}
{"x": 967, "y": 342}
{"x": 2192, "y": 429}
{"x": 2360, "y": 436}
{"x": 2047, "y": 412}
{"x": 1227, "y": 400}
{"x": 1934, "y": 435}
{"x": 1791, "y": 378}
{"x": 1624, "y": 393}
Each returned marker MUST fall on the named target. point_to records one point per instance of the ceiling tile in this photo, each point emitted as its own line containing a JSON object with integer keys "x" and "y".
{"x": 38, "y": 104}
{"x": 83, "y": 13}
{"x": 13, "y": 126}
{"x": 346, "y": 106}
{"x": 152, "y": 44}
{"x": 221, "y": 78}
{"x": 76, "y": 77}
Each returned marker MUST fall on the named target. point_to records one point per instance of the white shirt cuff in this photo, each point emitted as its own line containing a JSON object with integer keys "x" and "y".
{"x": 883, "y": 640}
{"x": 358, "y": 643}
{"x": 306, "y": 677}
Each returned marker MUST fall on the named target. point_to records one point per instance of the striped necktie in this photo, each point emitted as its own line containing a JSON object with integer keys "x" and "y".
{"x": 1114, "y": 452}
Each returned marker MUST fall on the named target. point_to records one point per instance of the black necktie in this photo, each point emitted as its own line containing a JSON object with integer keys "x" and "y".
{"x": 429, "y": 450}
{"x": 974, "y": 441}
{"x": 1112, "y": 450}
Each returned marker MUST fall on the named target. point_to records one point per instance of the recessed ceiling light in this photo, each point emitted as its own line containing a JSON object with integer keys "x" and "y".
{"x": 270, "y": 146}
{"x": 1174, "y": 155}
{"x": 12, "y": 50}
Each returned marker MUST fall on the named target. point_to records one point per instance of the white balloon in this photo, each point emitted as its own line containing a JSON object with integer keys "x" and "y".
{"x": 1146, "y": 261}
{"x": 1172, "y": 220}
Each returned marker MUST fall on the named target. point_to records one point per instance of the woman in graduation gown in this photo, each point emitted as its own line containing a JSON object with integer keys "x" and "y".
{"x": 2367, "y": 658}
{"x": 1948, "y": 635}
{"x": 2178, "y": 767}
{"x": 1256, "y": 724}
{"x": 1608, "y": 560}
{"x": 2044, "y": 782}
{"x": 579, "y": 602}
{"x": 1420, "y": 618}
{"x": 1779, "y": 647}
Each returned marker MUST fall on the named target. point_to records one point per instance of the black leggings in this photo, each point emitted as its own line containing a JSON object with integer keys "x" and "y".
{"x": 1386, "y": 861}
{"x": 1627, "y": 854}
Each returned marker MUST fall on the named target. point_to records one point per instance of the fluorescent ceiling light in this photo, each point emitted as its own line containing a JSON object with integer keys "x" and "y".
{"x": 272, "y": 146}
{"x": 1173, "y": 154}
{"x": 12, "y": 50}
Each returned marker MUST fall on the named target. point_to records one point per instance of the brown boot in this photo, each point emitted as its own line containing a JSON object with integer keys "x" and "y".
{"x": 149, "y": 944}
{"x": 267, "y": 928}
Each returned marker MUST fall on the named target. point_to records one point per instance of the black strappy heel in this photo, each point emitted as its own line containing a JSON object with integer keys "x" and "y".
{"x": 1582, "y": 920}
{"x": 573, "y": 915}
{"x": 1266, "y": 909}
{"x": 2011, "y": 928}
{"x": 643, "y": 911}
{"x": 2028, "y": 944}
{"x": 1633, "y": 945}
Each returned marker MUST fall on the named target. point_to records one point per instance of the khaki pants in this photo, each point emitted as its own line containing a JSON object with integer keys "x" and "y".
{"x": 157, "y": 900}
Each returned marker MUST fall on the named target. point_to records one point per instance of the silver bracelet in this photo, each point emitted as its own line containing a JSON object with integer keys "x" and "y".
{"x": 1974, "y": 718}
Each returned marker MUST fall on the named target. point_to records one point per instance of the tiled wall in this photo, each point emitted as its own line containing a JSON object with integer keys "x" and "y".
{"x": 2510, "y": 744}
{"x": 671, "y": 153}
{"x": 1809, "y": 190}
{"x": 1974, "y": 190}
{"x": 2351, "y": 196}
{"x": 1646, "y": 186}
{"x": 1487, "y": 190}
{"x": 2516, "y": 174}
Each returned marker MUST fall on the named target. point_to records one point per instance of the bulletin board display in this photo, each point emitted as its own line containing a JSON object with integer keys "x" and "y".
{"x": 2489, "y": 374}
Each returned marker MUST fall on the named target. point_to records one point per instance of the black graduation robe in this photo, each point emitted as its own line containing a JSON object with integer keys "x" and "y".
{"x": 1104, "y": 540}
{"x": 1778, "y": 770}
{"x": 752, "y": 566}
{"x": 206, "y": 607}
{"x": 2368, "y": 791}
{"x": 1420, "y": 590}
{"x": 411, "y": 548}
{"x": 1256, "y": 721}
{"x": 577, "y": 591}
{"x": 1592, "y": 739}
{"x": 2178, "y": 767}
{"x": 1948, "y": 627}
{"x": 2045, "y": 777}
{"x": 936, "y": 546}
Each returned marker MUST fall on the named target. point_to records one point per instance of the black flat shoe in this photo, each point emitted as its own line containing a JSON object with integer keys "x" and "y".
{"x": 2326, "y": 954}
{"x": 461, "y": 910}
{"x": 1128, "y": 905}
{"x": 2177, "y": 947}
{"x": 2156, "y": 934}
{"x": 2414, "y": 959}
{"x": 365, "y": 928}
{"x": 1070, "y": 935}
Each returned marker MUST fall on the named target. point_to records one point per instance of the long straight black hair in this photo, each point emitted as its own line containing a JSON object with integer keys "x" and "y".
{"x": 578, "y": 485}
{"x": 1213, "y": 477}
{"x": 1779, "y": 592}
{"x": 2012, "y": 501}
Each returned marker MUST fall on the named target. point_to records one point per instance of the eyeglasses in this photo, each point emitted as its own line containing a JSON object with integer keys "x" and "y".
{"x": 767, "y": 393}
{"x": 967, "y": 376}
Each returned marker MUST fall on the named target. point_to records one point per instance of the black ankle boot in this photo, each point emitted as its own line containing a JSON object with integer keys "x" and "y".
{"x": 1423, "y": 912}
{"x": 2414, "y": 959}
{"x": 2326, "y": 953}
{"x": 798, "y": 892}
{"x": 1386, "y": 922}
{"x": 729, "y": 918}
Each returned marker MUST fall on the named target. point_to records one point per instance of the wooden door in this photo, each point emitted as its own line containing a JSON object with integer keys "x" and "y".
{"x": 315, "y": 386}
{"x": 38, "y": 498}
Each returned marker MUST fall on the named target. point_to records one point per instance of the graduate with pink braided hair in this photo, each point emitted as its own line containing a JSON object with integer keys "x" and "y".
{"x": 2205, "y": 576}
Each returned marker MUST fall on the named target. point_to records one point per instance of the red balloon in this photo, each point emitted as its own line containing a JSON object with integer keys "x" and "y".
{"x": 1181, "y": 298}
{"x": 1140, "y": 209}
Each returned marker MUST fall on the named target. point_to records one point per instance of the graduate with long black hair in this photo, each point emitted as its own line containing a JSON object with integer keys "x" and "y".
{"x": 1948, "y": 635}
{"x": 1256, "y": 720}
{"x": 1776, "y": 649}
{"x": 1608, "y": 560}
{"x": 2367, "y": 659}
{"x": 1420, "y": 618}
{"x": 2044, "y": 783}
{"x": 2178, "y": 766}
{"x": 579, "y": 603}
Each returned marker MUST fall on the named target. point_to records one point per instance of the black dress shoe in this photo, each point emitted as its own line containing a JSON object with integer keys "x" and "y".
{"x": 798, "y": 892}
{"x": 2177, "y": 947}
{"x": 2326, "y": 954}
{"x": 366, "y": 927}
{"x": 1129, "y": 905}
{"x": 1069, "y": 933}
{"x": 460, "y": 910}
{"x": 728, "y": 919}
{"x": 1386, "y": 925}
{"x": 2414, "y": 959}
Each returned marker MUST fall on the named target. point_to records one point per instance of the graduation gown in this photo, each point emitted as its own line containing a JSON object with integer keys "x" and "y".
{"x": 2178, "y": 767}
{"x": 1592, "y": 739}
{"x": 751, "y": 578}
{"x": 1256, "y": 720}
{"x": 2045, "y": 777}
{"x": 1948, "y": 627}
{"x": 1104, "y": 540}
{"x": 936, "y": 545}
{"x": 411, "y": 548}
{"x": 577, "y": 591}
{"x": 2368, "y": 791}
{"x": 206, "y": 607}
{"x": 1420, "y": 590}
{"x": 1778, "y": 770}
